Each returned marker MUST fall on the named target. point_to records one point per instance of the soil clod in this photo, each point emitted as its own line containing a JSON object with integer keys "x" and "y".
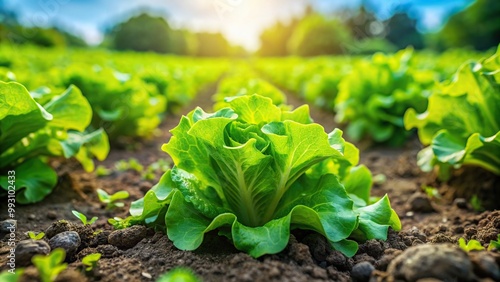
{"x": 445, "y": 262}
{"x": 26, "y": 249}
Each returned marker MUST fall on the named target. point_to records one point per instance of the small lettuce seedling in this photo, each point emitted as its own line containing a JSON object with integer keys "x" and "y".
{"x": 34, "y": 236}
{"x": 118, "y": 223}
{"x": 472, "y": 245}
{"x": 83, "y": 218}
{"x": 111, "y": 200}
{"x": 51, "y": 265}
{"x": 476, "y": 204}
{"x": 102, "y": 171}
{"x": 11, "y": 276}
{"x": 432, "y": 192}
{"x": 179, "y": 274}
{"x": 159, "y": 166}
{"x": 132, "y": 164}
{"x": 494, "y": 244}
{"x": 90, "y": 261}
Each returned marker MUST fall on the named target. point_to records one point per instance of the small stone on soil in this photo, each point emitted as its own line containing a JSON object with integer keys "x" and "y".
{"x": 485, "y": 265}
{"x": 68, "y": 240}
{"x": 7, "y": 226}
{"x": 52, "y": 215}
{"x": 26, "y": 249}
{"x": 461, "y": 203}
{"x": 444, "y": 261}
{"x": 362, "y": 271}
{"x": 128, "y": 237}
{"x": 419, "y": 202}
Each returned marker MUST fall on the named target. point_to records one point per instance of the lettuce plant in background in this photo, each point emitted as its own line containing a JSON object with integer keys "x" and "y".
{"x": 123, "y": 104}
{"x": 245, "y": 82}
{"x": 254, "y": 172}
{"x": 373, "y": 98}
{"x": 30, "y": 132}
{"x": 462, "y": 123}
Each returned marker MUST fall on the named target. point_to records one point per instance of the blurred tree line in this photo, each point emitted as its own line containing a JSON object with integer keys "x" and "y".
{"x": 11, "y": 31}
{"x": 358, "y": 32}
{"x": 149, "y": 33}
{"x": 348, "y": 32}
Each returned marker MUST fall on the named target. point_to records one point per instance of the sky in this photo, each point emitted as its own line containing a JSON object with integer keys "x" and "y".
{"x": 241, "y": 21}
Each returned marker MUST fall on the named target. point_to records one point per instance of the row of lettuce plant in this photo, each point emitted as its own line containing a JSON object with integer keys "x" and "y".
{"x": 32, "y": 132}
{"x": 461, "y": 125}
{"x": 368, "y": 94}
{"x": 242, "y": 80}
{"x": 255, "y": 171}
{"x": 128, "y": 92}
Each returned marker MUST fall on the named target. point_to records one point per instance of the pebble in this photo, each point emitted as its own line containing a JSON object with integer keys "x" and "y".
{"x": 58, "y": 227}
{"x": 7, "y": 226}
{"x": 362, "y": 271}
{"x": 68, "y": 240}
{"x": 128, "y": 237}
{"x": 443, "y": 261}
{"x": 31, "y": 216}
{"x": 461, "y": 203}
{"x": 26, "y": 249}
{"x": 52, "y": 215}
{"x": 485, "y": 265}
{"x": 419, "y": 202}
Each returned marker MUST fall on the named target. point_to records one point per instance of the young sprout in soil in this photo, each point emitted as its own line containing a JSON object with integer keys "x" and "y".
{"x": 111, "y": 200}
{"x": 11, "y": 276}
{"x": 494, "y": 245}
{"x": 118, "y": 223}
{"x": 159, "y": 166}
{"x": 35, "y": 236}
{"x": 51, "y": 265}
{"x": 431, "y": 192}
{"x": 102, "y": 171}
{"x": 476, "y": 204}
{"x": 379, "y": 179}
{"x": 179, "y": 275}
{"x": 472, "y": 245}
{"x": 121, "y": 165}
{"x": 83, "y": 218}
{"x": 132, "y": 164}
{"x": 90, "y": 261}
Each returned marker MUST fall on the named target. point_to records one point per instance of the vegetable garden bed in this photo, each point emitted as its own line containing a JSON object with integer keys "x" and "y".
{"x": 433, "y": 214}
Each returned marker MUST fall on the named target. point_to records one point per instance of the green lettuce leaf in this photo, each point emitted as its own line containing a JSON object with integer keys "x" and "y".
{"x": 29, "y": 132}
{"x": 462, "y": 125}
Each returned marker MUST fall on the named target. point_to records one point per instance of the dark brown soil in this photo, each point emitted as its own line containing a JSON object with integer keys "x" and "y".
{"x": 308, "y": 257}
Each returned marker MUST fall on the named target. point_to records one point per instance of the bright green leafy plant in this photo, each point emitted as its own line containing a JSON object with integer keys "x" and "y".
{"x": 51, "y": 265}
{"x": 245, "y": 82}
{"x": 472, "y": 245}
{"x": 30, "y": 132}
{"x": 90, "y": 261}
{"x": 373, "y": 98}
{"x": 111, "y": 200}
{"x": 494, "y": 244}
{"x": 102, "y": 171}
{"x": 461, "y": 125}
{"x": 179, "y": 274}
{"x": 123, "y": 104}
{"x": 254, "y": 172}
{"x": 83, "y": 218}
